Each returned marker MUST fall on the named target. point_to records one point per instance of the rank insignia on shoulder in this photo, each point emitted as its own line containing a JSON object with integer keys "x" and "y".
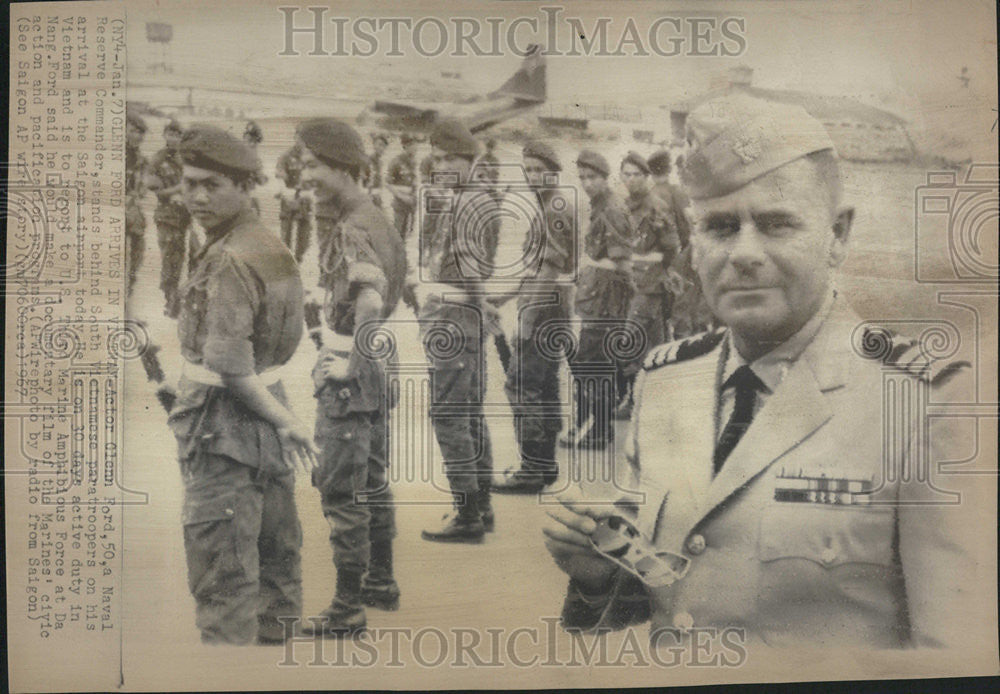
{"x": 906, "y": 354}
{"x": 682, "y": 350}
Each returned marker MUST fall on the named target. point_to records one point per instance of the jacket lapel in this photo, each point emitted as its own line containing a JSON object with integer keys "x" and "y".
{"x": 794, "y": 411}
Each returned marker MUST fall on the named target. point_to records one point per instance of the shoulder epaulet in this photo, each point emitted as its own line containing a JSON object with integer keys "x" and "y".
{"x": 682, "y": 350}
{"x": 905, "y": 354}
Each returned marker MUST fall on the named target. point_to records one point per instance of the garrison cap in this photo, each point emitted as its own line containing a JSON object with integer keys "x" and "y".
{"x": 408, "y": 139}
{"x": 173, "y": 127}
{"x": 380, "y": 136}
{"x": 136, "y": 120}
{"x": 209, "y": 147}
{"x": 637, "y": 160}
{"x": 454, "y": 137}
{"x": 333, "y": 142}
{"x": 595, "y": 161}
{"x": 541, "y": 150}
{"x": 736, "y": 139}
{"x": 659, "y": 162}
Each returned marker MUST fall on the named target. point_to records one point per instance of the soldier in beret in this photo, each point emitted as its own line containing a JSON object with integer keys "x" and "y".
{"x": 544, "y": 297}
{"x": 240, "y": 321}
{"x": 675, "y": 198}
{"x": 295, "y": 209}
{"x": 135, "y": 220}
{"x": 604, "y": 290}
{"x": 655, "y": 244}
{"x": 363, "y": 268}
{"x": 401, "y": 180}
{"x": 458, "y": 242}
{"x": 372, "y": 175}
{"x": 761, "y": 448}
{"x": 171, "y": 216}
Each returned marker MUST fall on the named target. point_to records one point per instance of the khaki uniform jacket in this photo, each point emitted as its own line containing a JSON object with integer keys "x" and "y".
{"x": 907, "y": 563}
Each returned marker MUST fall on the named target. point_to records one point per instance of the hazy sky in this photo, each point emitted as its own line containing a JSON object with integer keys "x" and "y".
{"x": 901, "y": 53}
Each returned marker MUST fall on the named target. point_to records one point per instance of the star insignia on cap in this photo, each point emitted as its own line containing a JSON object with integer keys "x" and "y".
{"x": 747, "y": 148}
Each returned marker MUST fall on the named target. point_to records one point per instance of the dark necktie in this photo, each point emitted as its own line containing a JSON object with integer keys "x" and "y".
{"x": 746, "y": 383}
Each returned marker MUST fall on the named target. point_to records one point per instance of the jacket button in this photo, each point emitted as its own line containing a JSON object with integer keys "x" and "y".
{"x": 683, "y": 621}
{"x": 696, "y": 544}
{"x": 828, "y": 555}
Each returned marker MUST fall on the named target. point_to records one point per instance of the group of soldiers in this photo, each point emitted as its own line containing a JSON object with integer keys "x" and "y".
{"x": 623, "y": 273}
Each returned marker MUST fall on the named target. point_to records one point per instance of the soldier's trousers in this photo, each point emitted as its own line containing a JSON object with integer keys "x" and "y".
{"x": 135, "y": 248}
{"x": 172, "y": 239}
{"x": 300, "y": 224}
{"x": 532, "y": 384}
{"x": 403, "y": 218}
{"x": 458, "y": 387}
{"x": 135, "y": 242}
{"x": 650, "y": 315}
{"x": 352, "y": 479}
{"x": 596, "y": 375}
{"x": 242, "y": 539}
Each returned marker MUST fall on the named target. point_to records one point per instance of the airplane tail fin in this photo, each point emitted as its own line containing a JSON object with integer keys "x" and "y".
{"x": 528, "y": 83}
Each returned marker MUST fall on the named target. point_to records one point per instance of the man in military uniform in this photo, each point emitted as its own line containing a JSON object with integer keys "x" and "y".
{"x": 240, "y": 320}
{"x": 363, "y": 277}
{"x": 458, "y": 242}
{"x": 533, "y": 378}
{"x": 295, "y": 211}
{"x": 401, "y": 180}
{"x": 253, "y": 135}
{"x": 804, "y": 521}
{"x": 171, "y": 216}
{"x": 372, "y": 175}
{"x": 689, "y": 314}
{"x": 675, "y": 198}
{"x": 426, "y": 169}
{"x": 604, "y": 291}
{"x": 655, "y": 243}
{"x": 135, "y": 220}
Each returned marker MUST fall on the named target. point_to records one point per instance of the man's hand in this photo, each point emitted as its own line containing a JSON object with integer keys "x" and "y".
{"x": 297, "y": 447}
{"x": 334, "y": 366}
{"x": 567, "y": 537}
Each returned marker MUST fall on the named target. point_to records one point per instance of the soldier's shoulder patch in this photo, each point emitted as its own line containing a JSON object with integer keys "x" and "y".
{"x": 682, "y": 350}
{"x": 908, "y": 355}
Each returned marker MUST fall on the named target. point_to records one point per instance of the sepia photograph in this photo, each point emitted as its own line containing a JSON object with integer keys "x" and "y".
{"x": 465, "y": 345}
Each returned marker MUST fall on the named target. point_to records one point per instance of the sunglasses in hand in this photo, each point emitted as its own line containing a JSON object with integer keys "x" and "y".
{"x": 618, "y": 540}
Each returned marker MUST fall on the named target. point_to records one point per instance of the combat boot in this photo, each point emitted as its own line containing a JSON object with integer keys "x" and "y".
{"x": 345, "y": 616}
{"x": 379, "y": 589}
{"x": 486, "y": 507}
{"x": 538, "y": 469}
{"x": 464, "y": 525}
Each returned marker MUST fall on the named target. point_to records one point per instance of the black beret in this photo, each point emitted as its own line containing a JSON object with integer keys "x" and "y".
{"x": 595, "y": 161}
{"x": 454, "y": 137}
{"x": 333, "y": 142}
{"x": 636, "y": 160}
{"x": 136, "y": 120}
{"x": 659, "y": 162}
{"x": 541, "y": 150}
{"x": 209, "y": 147}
